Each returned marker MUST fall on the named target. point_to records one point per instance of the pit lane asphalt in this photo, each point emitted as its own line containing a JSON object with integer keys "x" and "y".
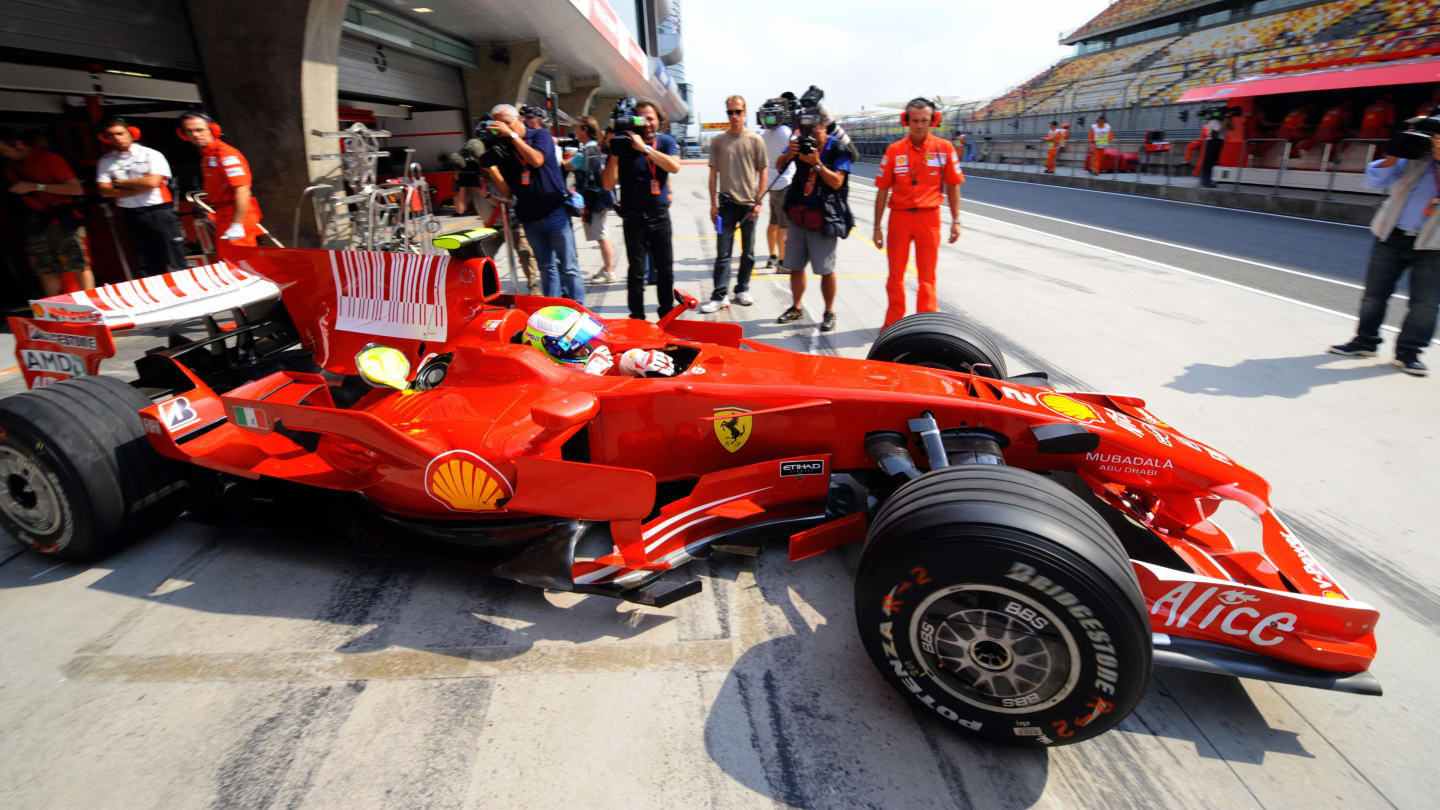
{"x": 1319, "y": 263}
{"x": 255, "y": 664}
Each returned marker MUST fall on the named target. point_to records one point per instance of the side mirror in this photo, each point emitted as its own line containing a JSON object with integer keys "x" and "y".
{"x": 683, "y": 303}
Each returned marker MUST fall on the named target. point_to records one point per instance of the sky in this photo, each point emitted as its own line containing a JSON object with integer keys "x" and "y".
{"x": 867, "y": 52}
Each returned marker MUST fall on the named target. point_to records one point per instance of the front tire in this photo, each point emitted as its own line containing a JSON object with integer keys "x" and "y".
{"x": 998, "y": 600}
{"x": 937, "y": 340}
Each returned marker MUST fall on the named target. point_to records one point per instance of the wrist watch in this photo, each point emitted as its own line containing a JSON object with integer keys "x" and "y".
{"x": 649, "y": 149}
{"x": 39, "y": 186}
{"x": 514, "y": 136}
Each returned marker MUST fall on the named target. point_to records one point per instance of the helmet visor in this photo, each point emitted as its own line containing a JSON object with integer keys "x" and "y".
{"x": 579, "y": 341}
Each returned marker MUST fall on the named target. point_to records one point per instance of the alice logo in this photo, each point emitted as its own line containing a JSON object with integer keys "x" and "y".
{"x": 465, "y": 482}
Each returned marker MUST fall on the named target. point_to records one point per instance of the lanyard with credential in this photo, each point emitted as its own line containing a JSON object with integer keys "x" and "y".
{"x": 1434, "y": 201}
{"x": 654, "y": 178}
{"x": 916, "y": 167}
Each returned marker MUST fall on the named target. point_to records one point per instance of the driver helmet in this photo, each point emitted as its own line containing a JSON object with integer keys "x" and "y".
{"x": 565, "y": 335}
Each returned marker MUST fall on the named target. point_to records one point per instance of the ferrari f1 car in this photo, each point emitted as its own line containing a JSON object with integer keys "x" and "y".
{"x": 1028, "y": 554}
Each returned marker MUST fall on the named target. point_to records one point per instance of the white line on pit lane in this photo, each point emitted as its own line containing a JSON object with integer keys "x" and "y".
{"x": 1225, "y": 256}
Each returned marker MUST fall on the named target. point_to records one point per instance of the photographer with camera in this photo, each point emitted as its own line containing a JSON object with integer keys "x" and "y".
{"x": 47, "y": 188}
{"x": 816, "y": 204}
{"x": 912, "y": 173}
{"x": 775, "y": 117}
{"x": 1407, "y": 235}
{"x": 641, "y": 160}
{"x": 737, "y": 179}
{"x": 530, "y": 171}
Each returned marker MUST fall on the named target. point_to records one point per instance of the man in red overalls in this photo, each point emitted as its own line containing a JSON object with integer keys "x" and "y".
{"x": 911, "y": 175}
{"x": 226, "y": 175}
{"x": 1378, "y": 120}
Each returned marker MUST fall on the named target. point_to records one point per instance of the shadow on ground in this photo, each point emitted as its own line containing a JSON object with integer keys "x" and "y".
{"x": 1288, "y": 377}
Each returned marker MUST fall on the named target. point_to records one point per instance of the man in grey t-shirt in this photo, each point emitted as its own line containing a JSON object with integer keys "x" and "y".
{"x": 737, "y": 179}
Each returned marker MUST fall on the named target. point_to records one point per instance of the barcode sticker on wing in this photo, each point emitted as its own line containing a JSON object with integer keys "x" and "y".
{"x": 390, "y": 294}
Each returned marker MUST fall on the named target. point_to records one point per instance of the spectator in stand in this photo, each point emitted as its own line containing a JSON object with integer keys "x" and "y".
{"x": 1407, "y": 235}
{"x": 777, "y": 142}
{"x": 1378, "y": 120}
{"x": 138, "y": 179}
{"x": 589, "y": 164}
{"x": 642, "y": 170}
{"x": 913, "y": 174}
{"x": 533, "y": 175}
{"x": 1100, "y": 137}
{"x": 225, "y": 174}
{"x": 737, "y": 179}
{"x": 1054, "y": 139}
{"x": 54, "y": 230}
{"x": 818, "y": 210}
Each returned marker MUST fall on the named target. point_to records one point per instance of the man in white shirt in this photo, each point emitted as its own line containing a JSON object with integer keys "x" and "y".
{"x": 777, "y": 143}
{"x": 137, "y": 178}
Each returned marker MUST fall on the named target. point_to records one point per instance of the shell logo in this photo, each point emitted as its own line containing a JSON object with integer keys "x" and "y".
{"x": 466, "y": 482}
{"x": 1072, "y": 408}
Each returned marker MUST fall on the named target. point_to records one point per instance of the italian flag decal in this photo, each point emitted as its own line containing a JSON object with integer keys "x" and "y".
{"x": 249, "y": 418}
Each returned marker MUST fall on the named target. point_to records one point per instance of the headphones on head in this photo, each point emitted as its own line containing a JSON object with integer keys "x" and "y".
{"x": 105, "y": 138}
{"x": 934, "y": 119}
{"x": 214, "y": 127}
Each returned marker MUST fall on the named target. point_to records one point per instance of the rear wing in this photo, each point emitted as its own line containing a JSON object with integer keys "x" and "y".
{"x": 68, "y": 335}
{"x": 343, "y": 300}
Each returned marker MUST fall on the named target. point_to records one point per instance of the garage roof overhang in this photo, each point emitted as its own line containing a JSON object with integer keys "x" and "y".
{"x": 1410, "y": 71}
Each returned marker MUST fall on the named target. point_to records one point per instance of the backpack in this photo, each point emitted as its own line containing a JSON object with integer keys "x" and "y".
{"x": 588, "y": 182}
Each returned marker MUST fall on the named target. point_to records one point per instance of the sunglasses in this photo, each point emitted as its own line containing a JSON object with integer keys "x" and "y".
{"x": 734, "y": 112}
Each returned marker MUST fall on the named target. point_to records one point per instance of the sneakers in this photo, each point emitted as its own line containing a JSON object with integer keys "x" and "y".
{"x": 603, "y": 277}
{"x": 791, "y": 315}
{"x": 771, "y": 263}
{"x": 713, "y": 305}
{"x": 1410, "y": 364}
{"x": 743, "y": 299}
{"x": 827, "y": 324}
{"x": 1353, "y": 349}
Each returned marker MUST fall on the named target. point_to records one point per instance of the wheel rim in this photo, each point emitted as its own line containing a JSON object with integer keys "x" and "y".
{"x": 27, "y": 495}
{"x": 995, "y": 649}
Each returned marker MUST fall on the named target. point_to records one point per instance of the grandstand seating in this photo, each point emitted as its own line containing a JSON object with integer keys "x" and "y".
{"x": 1159, "y": 71}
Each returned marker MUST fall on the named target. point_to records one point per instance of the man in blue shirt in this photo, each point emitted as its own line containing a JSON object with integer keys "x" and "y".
{"x": 532, "y": 175}
{"x": 642, "y": 168}
{"x": 818, "y": 211}
{"x": 1407, "y": 235}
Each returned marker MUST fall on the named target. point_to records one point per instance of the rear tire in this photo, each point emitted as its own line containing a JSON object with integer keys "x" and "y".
{"x": 78, "y": 477}
{"x": 937, "y": 340}
{"x": 998, "y": 600}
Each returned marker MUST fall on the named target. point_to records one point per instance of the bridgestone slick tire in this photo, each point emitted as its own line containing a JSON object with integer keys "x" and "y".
{"x": 997, "y": 600}
{"x": 78, "y": 477}
{"x": 937, "y": 340}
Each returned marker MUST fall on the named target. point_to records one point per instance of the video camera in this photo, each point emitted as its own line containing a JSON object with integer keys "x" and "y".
{"x": 808, "y": 116}
{"x": 1415, "y": 140}
{"x": 1220, "y": 113}
{"x": 781, "y": 111}
{"x": 497, "y": 144}
{"x": 623, "y": 121}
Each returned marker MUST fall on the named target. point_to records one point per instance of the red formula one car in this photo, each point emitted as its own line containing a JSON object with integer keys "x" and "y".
{"x": 1027, "y": 553}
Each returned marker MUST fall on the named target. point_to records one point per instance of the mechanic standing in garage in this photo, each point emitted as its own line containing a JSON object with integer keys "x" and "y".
{"x": 226, "y": 176}
{"x": 1407, "y": 235}
{"x": 912, "y": 173}
{"x": 138, "y": 178}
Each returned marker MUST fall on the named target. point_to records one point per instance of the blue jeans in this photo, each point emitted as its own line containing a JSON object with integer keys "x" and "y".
{"x": 553, "y": 241}
{"x": 730, "y": 214}
{"x": 1388, "y": 261}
